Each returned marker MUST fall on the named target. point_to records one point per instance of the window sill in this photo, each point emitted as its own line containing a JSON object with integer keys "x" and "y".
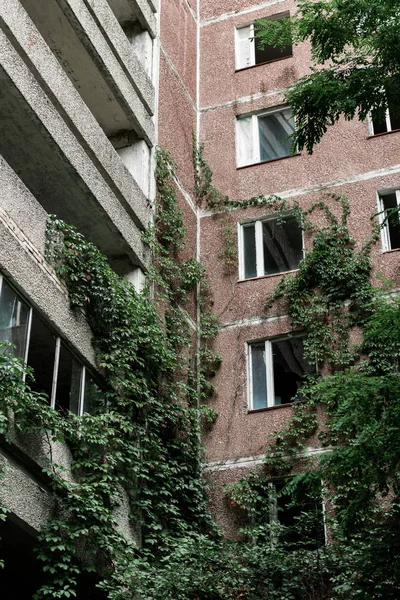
{"x": 390, "y": 251}
{"x": 273, "y": 160}
{"x": 377, "y": 135}
{"x": 267, "y": 276}
{"x": 252, "y": 411}
{"x": 267, "y": 62}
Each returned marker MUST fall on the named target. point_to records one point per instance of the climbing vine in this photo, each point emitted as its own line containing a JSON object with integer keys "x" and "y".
{"x": 142, "y": 443}
{"x": 141, "y": 446}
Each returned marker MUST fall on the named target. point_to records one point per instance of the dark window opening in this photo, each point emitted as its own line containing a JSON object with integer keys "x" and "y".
{"x": 283, "y": 245}
{"x": 266, "y": 53}
{"x": 289, "y": 367}
{"x": 68, "y": 382}
{"x": 301, "y": 517}
{"x": 14, "y": 318}
{"x": 41, "y": 355}
{"x": 393, "y": 223}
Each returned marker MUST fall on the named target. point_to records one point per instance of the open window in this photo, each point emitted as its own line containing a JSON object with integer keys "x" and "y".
{"x": 264, "y": 137}
{"x": 383, "y": 123}
{"x": 269, "y": 246}
{"x": 276, "y": 372}
{"x": 299, "y": 516}
{"x": 250, "y": 51}
{"x": 389, "y": 207}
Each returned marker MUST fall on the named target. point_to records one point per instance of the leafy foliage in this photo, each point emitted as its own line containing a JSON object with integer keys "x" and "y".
{"x": 356, "y": 54}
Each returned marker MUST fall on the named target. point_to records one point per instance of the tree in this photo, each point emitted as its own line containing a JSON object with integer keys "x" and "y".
{"x": 355, "y": 47}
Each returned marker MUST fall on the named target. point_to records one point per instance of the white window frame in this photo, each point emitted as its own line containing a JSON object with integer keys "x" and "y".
{"x": 269, "y": 370}
{"x": 385, "y": 233}
{"x": 249, "y": 58}
{"x": 269, "y": 367}
{"x": 388, "y": 124}
{"x": 259, "y": 247}
{"x": 255, "y": 158}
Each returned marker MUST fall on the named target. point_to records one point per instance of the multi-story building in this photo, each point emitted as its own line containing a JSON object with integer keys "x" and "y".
{"x": 89, "y": 87}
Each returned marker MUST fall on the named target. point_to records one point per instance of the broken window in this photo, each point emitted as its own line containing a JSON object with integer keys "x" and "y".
{"x": 251, "y": 51}
{"x": 264, "y": 137}
{"x": 389, "y": 204}
{"x": 277, "y": 370}
{"x": 270, "y": 246}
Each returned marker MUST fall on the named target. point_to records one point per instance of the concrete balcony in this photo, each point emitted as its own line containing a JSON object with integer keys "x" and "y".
{"x": 55, "y": 144}
{"x": 90, "y": 45}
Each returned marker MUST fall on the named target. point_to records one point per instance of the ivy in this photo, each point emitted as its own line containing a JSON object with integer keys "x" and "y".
{"x": 143, "y": 440}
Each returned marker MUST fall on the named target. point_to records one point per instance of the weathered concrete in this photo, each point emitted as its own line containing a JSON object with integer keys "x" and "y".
{"x": 118, "y": 93}
{"x": 39, "y": 144}
{"x": 22, "y": 238}
{"x": 128, "y": 11}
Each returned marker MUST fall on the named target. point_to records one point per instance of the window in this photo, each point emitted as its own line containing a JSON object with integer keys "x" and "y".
{"x": 388, "y": 203}
{"x": 56, "y": 371}
{"x": 383, "y": 124}
{"x": 264, "y": 137}
{"x": 269, "y": 246}
{"x": 276, "y": 370}
{"x": 250, "y": 51}
{"x": 299, "y": 515}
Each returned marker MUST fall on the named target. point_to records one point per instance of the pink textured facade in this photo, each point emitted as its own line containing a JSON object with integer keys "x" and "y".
{"x": 201, "y": 91}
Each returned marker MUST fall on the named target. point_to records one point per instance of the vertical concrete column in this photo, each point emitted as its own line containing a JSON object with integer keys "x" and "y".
{"x": 142, "y": 46}
{"x": 136, "y": 158}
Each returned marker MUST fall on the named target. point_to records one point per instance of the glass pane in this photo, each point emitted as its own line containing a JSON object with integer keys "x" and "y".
{"x": 42, "y": 345}
{"x": 245, "y": 144}
{"x": 14, "y": 315}
{"x": 379, "y": 122}
{"x": 275, "y": 131}
{"x": 68, "y": 382}
{"x": 283, "y": 245}
{"x": 390, "y": 203}
{"x": 259, "y": 377}
{"x": 289, "y": 367}
{"x": 249, "y": 251}
{"x": 92, "y": 399}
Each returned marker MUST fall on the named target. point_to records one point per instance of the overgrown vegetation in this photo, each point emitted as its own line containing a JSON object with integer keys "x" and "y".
{"x": 356, "y": 55}
{"x": 144, "y": 439}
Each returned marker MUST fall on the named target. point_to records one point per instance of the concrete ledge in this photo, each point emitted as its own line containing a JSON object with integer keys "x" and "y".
{"x": 24, "y": 496}
{"x": 92, "y": 38}
{"x": 122, "y": 49}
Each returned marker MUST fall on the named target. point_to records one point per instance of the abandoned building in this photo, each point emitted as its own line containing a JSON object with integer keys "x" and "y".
{"x": 88, "y": 89}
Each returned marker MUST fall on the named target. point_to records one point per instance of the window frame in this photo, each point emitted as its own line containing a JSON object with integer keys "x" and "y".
{"x": 252, "y": 43}
{"x": 385, "y": 227}
{"x": 255, "y": 135}
{"x": 58, "y": 341}
{"x": 388, "y": 124}
{"x": 258, "y": 223}
{"x": 269, "y": 371}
